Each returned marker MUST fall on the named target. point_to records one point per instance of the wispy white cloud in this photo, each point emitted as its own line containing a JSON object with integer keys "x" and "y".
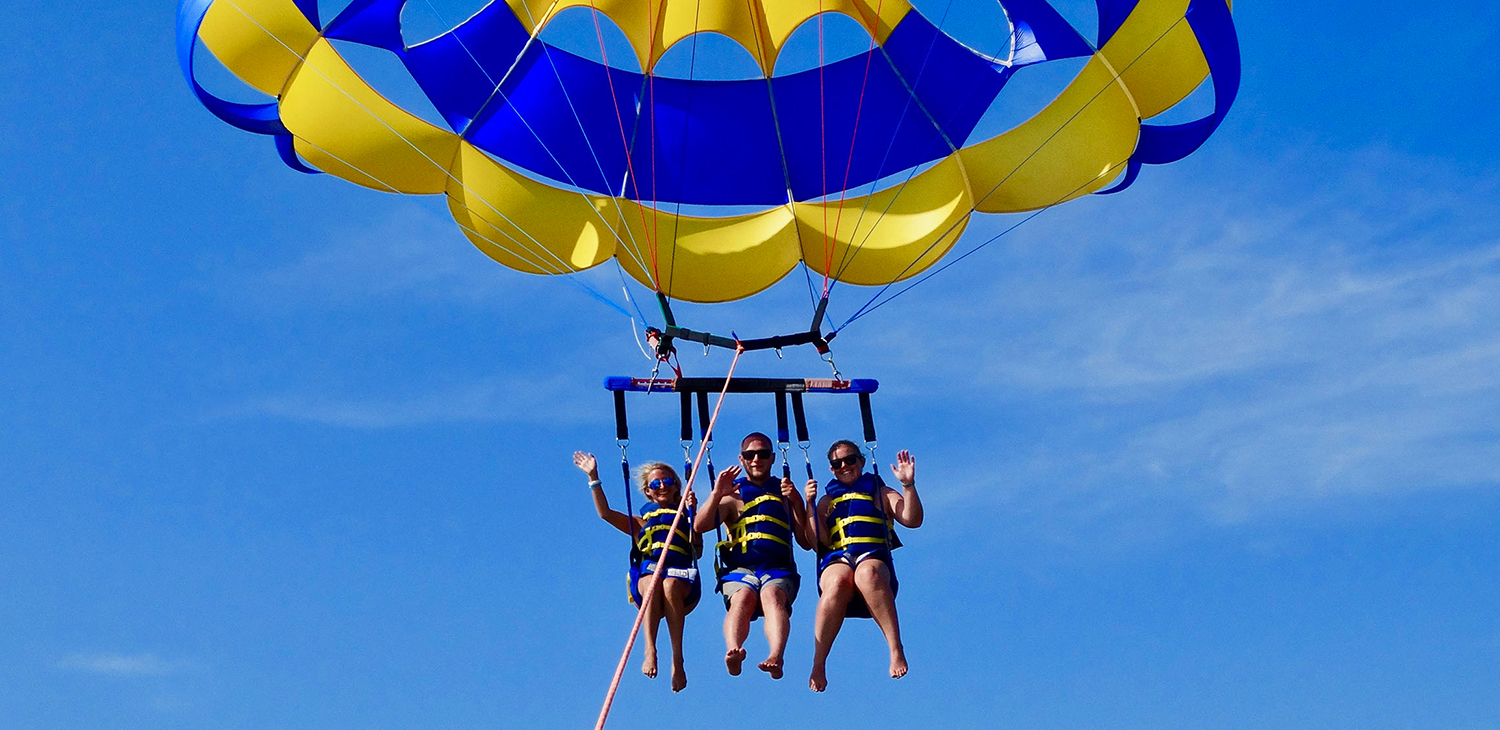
{"x": 124, "y": 665}
{"x": 1239, "y": 355}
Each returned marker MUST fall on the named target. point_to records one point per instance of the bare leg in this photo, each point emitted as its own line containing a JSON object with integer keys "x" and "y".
{"x": 873, "y": 579}
{"x": 737, "y": 627}
{"x": 778, "y": 624}
{"x": 838, "y": 586}
{"x": 676, "y": 609}
{"x": 648, "y": 665}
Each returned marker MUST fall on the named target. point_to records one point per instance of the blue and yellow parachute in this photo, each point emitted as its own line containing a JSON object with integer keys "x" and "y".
{"x": 553, "y": 163}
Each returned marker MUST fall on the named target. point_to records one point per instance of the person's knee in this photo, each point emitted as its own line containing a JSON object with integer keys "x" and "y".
{"x": 743, "y": 599}
{"x": 838, "y": 583}
{"x": 872, "y": 574}
{"x": 773, "y": 597}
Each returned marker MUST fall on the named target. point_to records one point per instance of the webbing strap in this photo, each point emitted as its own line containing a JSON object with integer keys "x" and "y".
{"x": 850, "y": 496}
{"x": 747, "y": 537}
{"x": 752, "y": 519}
{"x": 687, "y": 417}
{"x": 867, "y": 417}
{"x": 702, "y": 413}
{"x": 622, "y": 426}
{"x": 653, "y": 551}
{"x": 629, "y": 509}
{"x": 847, "y": 541}
{"x": 782, "y": 433}
{"x": 762, "y": 499}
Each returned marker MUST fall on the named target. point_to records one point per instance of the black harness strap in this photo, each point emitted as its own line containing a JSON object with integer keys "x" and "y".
{"x": 800, "y": 417}
{"x": 622, "y": 437}
{"x": 783, "y": 437}
{"x": 867, "y": 417}
{"x": 622, "y": 425}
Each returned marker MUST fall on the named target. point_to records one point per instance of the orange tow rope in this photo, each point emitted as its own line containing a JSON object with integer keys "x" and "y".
{"x": 648, "y": 595}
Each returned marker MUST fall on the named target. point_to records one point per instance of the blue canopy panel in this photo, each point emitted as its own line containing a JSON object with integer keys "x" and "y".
{"x": 1161, "y": 144}
{"x": 370, "y": 22}
{"x": 953, "y": 83}
{"x": 561, "y": 116}
{"x": 714, "y": 143}
{"x": 817, "y": 110}
{"x": 1041, "y": 34}
{"x": 458, "y": 70}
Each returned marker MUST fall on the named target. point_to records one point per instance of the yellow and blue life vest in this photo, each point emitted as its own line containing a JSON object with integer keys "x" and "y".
{"x": 856, "y": 522}
{"x": 652, "y": 539}
{"x": 762, "y": 536}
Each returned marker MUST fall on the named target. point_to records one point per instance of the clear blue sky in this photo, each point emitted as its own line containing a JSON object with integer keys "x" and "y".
{"x": 277, "y": 452}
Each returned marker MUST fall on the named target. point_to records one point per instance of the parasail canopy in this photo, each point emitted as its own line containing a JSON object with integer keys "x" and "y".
{"x": 865, "y": 169}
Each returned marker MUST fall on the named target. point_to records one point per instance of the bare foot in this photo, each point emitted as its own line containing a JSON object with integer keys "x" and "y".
{"x": 817, "y": 682}
{"x": 648, "y": 667}
{"x": 771, "y": 666}
{"x": 898, "y": 664}
{"x": 679, "y": 677}
{"x": 733, "y": 659}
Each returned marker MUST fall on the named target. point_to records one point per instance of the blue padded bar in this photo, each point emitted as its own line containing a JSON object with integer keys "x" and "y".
{"x": 554, "y": 114}
{"x": 954, "y": 84}
{"x": 893, "y": 134}
{"x": 625, "y": 383}
{"x": 714, "y": 143}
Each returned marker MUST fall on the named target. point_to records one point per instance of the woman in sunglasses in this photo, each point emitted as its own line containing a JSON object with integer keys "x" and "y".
{"x": 679, "y": 591}
{"x": 853, "y": 525}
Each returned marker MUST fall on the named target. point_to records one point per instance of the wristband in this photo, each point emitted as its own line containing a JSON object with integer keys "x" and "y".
{"x": 595, "y": 483}
{"x": 909, "y": 485}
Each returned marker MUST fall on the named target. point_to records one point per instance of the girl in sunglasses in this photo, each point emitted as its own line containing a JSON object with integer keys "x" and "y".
{"x": 854, "y": 524}
{"x": 679, "y": 591}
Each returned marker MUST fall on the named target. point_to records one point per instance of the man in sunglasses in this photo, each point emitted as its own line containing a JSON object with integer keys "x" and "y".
{"x": 853, "y": 526}
{"x": 764, "y": 515}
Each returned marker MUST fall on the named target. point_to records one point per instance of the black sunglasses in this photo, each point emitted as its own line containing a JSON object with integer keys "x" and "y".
{"x": 753, "y": 454}
{"x": 851, "y": 460}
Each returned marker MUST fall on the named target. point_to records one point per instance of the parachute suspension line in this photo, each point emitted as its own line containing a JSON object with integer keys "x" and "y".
{"x": 498, "y": 85}
{"x": 823, "y": 147}
{"x": 651, "y": 271}
{"x": 656, "y": 576}
{"x": 849, "y": 163}
{"x": 853, "y": 250}
{"x": 650, "y": 70}
{"x": 872, "y": 306}
{"x": 566, "y": 269}
{"x": 687, "y": 119}
{"x": 1114, "y": 79}
{"x": 755, "y": 11}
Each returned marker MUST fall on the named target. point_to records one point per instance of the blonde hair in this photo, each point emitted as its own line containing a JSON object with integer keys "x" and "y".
{"x": 644, "y": 471}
